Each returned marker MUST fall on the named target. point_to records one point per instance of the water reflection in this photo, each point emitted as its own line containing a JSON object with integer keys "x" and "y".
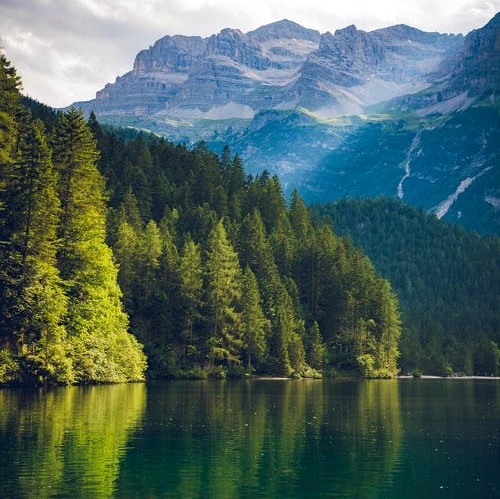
{"x": 255, "y": 438}
{"x": 66, "y": 442}
{"x": 265, "y": 439}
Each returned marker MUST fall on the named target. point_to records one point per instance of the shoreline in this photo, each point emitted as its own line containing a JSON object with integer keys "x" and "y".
{"x": 429, "y": 376}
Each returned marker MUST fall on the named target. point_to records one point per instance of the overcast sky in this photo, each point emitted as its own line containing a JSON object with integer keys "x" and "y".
{"x": 66, "y": 50}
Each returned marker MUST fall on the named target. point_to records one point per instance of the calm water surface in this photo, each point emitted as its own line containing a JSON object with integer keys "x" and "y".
{"x": 263, "y": 439}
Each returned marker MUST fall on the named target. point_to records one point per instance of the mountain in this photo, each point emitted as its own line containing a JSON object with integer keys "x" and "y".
{"x": 469, "y": 75}
{"x": 396, "y": 111}
{"x": 278, "y": 66}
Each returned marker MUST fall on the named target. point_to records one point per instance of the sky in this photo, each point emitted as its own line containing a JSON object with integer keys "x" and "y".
{"x": 66, "y": 50}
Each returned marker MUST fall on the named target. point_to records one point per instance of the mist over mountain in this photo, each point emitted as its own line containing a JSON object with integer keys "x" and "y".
{"x": 395, "y": 111}
{"x": 278, "y": 66}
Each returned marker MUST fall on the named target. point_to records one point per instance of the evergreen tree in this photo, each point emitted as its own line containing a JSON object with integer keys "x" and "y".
{"x": 148, "y": 262}
{"x": 33, "y": 301}
{"x": 125, "y": 250}
{"x": 223, "y": 294}
{"x": 283, "y": 322}
{"x": 103, "y": 350}
{"x": 316, "y": 349}
{"x": 254, "y": 325}
{"x": 191, "y": 287}
{"x": 10, "y": 97}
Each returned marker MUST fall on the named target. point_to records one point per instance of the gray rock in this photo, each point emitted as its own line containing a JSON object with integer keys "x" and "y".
{"x": 285, "y": 66}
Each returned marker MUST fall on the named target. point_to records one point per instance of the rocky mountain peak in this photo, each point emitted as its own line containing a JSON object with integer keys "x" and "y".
{"x": 350, "y": 46}
{"x": 284, "y": 65}
{"x": 284, "y": 29}
{"x": 479, "y": 67}
{"x": 469, "y": 71}
{"x": 484, "y": 43}
{"x": 238, "y": 47}
{"x": 347, "y": 32}
{"x": 172, "y": 54}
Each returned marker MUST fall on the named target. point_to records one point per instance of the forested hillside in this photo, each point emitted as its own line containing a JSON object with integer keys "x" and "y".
{"x": 61, "y": 315}
{"x": 446, "y": 278}
{"x": 219, "y": 275}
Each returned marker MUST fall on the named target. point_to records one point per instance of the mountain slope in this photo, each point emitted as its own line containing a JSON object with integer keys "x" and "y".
{"x": 468, "y": 75}
{"x": 449, "y": 166}
{"x": 278, "y": 66}
{"x": 395, "y": 112}
{"x": 446, "y": 279}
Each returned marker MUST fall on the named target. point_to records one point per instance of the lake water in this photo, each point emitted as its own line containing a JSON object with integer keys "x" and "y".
{"x": 253, "y": 439}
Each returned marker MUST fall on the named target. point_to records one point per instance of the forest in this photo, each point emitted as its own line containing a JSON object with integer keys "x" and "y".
{"x": 124, "y": 255}
{"x": 446, "y": 279}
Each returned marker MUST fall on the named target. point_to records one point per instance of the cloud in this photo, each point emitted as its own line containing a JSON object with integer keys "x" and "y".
{"x": 66, "y": 50}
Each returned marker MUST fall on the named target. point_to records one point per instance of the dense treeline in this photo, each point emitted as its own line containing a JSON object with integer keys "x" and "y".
{"x": 219, "y": 275}
{"x": 61, "y": 315}
{"x": 446, "y": 278}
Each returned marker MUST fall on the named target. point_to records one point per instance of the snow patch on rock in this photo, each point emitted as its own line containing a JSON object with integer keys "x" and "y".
{"x": 442, "y": 209}
{"x": 494, "y": 201}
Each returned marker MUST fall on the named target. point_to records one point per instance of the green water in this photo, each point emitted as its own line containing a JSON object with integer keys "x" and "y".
{"x": 261, "y": 438}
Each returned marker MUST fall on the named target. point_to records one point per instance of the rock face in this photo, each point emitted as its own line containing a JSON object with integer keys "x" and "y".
{"x": 353, "y": 68}
{"x": 278, "y": 66}
{"x": 395, "y": 112}
{"x": 469, "y": 73}
{"x": 477, "y": 69}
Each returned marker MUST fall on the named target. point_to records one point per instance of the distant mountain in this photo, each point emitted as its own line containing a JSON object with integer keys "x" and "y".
{"x": 466, "y": 76}
{"x": 278, "y": 66}
{"x": 396, "y": 111}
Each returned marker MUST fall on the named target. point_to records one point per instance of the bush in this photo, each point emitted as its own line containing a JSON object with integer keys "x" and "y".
{"x": 9, "y": 367}
{"x": 366, "y": 365}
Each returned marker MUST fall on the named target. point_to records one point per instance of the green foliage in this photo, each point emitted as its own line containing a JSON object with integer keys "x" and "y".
{"x": 33, "y": 302}
{"x": 223, "y": 296}
{"x": 204, "y": 313}
{"x": 191, "y": 289}
{"x": 10, "y": 97}
{"x": 9, "y": 367}
{"x": 366, "y": 364}
{"x": 316, "y": 348}
{"x": 254, "y": 325}
{"x": 62, "y": 319}
{"x": 446, "y": 279}
{"x": 183, "y": 224}
{"x": 97, "y": 326}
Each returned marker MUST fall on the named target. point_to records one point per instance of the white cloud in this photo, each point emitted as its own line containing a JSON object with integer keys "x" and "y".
{"x": 65, "y": 50}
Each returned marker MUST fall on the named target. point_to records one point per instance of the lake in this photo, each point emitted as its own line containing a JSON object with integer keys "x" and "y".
{"x": 253, "y": 439}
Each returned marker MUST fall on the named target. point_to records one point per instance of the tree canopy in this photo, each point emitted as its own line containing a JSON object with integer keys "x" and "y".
{"x": 216, "y": 274}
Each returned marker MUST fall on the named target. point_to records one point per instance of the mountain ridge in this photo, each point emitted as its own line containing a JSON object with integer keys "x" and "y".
{"x": 394, "y": 111}
{"x": 281, "y": 65}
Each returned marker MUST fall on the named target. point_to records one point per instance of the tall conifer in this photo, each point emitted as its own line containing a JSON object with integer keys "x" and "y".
{"x": 224, "y": 293}
{"x": 103, "y": 350}
{"x": 254, "y": 325}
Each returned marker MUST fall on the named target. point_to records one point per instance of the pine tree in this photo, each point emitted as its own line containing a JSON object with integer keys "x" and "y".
{"x": 103, "y": 350}
{"x": 125, "y": 250}
{"x": 388, "y": 330}
{"x": 316, "y": 351}
{"x": 34, "y": 302}
{"x": 254, "y": 325}
{"x": 256, "y": 253}
{"x": 223, "y": 293}
{"x": 191, "y": 287}
{"x": 10, "y": 98}
{"x": 283, "y": 329}
{"x": 147, "y": 263}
